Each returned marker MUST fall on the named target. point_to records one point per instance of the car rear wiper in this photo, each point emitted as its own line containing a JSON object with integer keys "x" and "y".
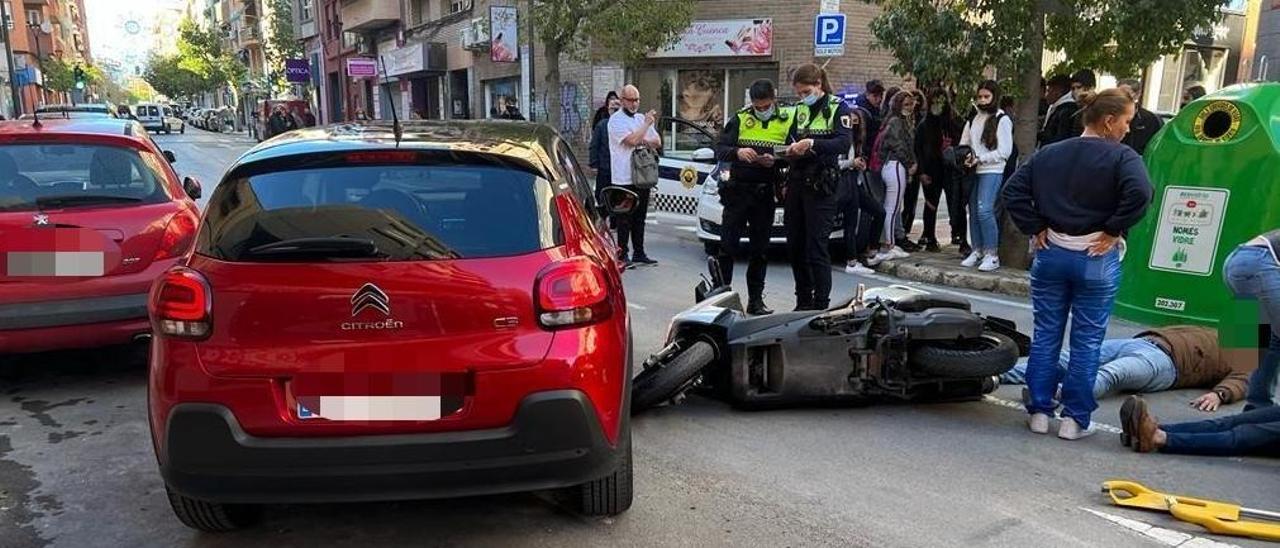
{"x": 336, "y": 247}
{"x": 73, "y": 200}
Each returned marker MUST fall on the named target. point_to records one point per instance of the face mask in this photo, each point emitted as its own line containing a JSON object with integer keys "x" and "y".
{"x": 812, "y": 98}
{"x": 764, "y": 116}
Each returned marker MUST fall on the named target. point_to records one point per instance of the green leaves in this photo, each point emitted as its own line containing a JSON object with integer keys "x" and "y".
{"x": 166, "y": 74}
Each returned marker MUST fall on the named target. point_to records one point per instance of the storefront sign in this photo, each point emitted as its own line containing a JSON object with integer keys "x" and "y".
{"x": 604, "y": 80}
{"x": 361, "y": 67}
{"x": 504, "y": 25}
{"x": 297, "y": 70}
{"x": 728, "y": 38}
{"x": 411, "y": 58}
{"x": 1190, "y": 224}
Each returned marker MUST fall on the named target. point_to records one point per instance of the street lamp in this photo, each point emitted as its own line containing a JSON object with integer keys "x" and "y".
{"x": 44, "y": 27}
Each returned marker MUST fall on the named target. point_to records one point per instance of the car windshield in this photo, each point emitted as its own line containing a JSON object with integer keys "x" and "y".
{"x": 65, "y": 175}
{"x": 407, "y": 212}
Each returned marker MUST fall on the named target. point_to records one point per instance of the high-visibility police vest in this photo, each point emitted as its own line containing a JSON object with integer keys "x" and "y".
{"x": 754, "y": 133}
{"x": 816, "y": 126}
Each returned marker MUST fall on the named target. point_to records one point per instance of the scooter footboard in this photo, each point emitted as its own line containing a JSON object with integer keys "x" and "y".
{"x": 814, "y": 369}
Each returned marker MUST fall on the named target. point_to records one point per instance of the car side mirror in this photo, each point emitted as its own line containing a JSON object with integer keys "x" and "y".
{"x": 704, "y": 155}
{"x": 192, "y": 187}
{"x": 168, "y": 155}
{"x": 616, "y": 200}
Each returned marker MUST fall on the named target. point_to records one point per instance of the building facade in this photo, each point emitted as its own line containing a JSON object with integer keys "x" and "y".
{"x": 42, "y": 30}
{"x": 1266, "y": 47}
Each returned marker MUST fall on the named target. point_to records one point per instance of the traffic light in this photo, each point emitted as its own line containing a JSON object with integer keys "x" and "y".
{"x": 79, "y": 73}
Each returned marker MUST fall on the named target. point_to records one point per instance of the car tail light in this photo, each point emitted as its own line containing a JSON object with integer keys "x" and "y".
{"x": 177, "y": 237}
{"x": 572, "y": 293}
{"x": 181, "y": 304}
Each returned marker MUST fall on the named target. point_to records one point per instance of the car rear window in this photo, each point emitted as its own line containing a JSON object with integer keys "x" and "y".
{"x": 409, "y": 212}
{"x": 45, "y": 175}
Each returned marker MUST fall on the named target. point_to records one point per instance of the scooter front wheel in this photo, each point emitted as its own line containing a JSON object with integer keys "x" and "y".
{"x": 667, "y": 380}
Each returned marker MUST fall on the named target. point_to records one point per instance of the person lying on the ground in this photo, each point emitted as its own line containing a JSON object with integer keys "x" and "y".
{"x": 1163, "y": 359}
{"x": 1255, "y": 432}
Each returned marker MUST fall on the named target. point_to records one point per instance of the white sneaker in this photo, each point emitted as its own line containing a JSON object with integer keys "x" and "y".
{"x": 855, "y": 267}
{"x": 880, "y": 257}
{"x": 990, "y": 264}
{"x": 972, "y": 260}
{"x": 1039, "y": 423}
{"x": 898, "y": 253}
{"x": 1070, "y": 430}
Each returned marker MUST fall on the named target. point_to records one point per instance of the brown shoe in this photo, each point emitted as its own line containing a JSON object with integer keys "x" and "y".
{"x": 1139, "y": 427}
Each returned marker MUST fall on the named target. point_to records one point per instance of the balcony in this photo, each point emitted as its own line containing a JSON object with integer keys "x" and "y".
{"x": 248, "y": 33}
{"x": 369, "y": 15}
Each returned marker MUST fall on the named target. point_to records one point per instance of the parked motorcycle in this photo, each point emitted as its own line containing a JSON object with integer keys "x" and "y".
{"x": 893, "y": 342}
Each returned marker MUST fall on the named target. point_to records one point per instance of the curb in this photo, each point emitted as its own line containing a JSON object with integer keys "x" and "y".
{"x": 1015, "y": 283}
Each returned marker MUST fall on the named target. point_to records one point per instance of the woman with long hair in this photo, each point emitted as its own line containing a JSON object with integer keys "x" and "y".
{"x": 821, "y": 134}
{"x": 990, "y": 134}
{"x": 939, "y": 131}
{"x": 1076, "y": 199}
{"x": 897, "y": 156}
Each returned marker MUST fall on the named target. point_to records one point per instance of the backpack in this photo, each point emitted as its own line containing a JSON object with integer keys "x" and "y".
{"x": 876, "y": 162}
{"x": 644, "y": 168}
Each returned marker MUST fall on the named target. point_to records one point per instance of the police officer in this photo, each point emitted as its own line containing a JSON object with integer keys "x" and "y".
{"x": 821, "y": 133}
{"x": 748, "y": 142}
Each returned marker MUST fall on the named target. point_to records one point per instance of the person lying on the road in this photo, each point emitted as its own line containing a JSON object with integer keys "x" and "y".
{"x": 1255, "y": 432}
{"x": 1163, "y": 359}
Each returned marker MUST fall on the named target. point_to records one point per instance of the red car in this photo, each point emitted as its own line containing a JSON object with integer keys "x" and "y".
{"x": 367, "y": 317}
{"x": 91, "y": 213}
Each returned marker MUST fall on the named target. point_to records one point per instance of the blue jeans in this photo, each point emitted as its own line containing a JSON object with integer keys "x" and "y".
{"x": 1254, "y": 432}
{"x": 1128, "y": 365}
{"x": 1252, "y": 273}
{"x": 1064, "y": 284}
{"x": 983, "y": 228}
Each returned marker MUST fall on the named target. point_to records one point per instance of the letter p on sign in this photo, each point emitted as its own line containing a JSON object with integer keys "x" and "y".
{"x": 828, "y": 35}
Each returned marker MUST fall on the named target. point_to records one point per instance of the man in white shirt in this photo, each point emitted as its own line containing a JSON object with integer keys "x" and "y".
{"x": 629, "y": 130}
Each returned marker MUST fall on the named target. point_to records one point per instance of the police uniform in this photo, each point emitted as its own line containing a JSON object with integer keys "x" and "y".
{"x": 748, "y": 195}
{"x": 810, "y": 202}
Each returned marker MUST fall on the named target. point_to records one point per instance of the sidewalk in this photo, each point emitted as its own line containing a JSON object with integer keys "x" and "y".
{"x": 944, "y": 269}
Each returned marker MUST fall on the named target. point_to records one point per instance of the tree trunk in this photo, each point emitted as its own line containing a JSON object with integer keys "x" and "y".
{"x": 1014, "y": 248}
{"x": 552, "y": 89}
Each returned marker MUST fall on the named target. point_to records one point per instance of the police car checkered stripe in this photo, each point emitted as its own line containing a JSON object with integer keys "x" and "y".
{"x": 683, "y": 205}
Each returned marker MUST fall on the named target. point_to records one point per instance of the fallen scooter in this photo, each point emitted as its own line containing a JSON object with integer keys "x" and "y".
{"x": 893, "y": 342}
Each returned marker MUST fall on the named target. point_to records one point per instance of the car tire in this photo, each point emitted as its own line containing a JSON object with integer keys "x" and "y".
{"x": 612, "y": 494}
{"x": 212, "y": 517}
{"x": 664, "y": 381}
{"x": 183, "y": 129}
{"x": 987, "y": 355}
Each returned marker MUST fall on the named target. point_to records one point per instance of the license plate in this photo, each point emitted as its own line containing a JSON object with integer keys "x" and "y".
{"x": 55, "y": 263}
{"x": 370, "y": 408}
{"x": 777, "y": 217}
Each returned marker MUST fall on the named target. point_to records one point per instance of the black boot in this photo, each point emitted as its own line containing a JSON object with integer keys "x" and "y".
{"x": 804, "y": 303}
{"x": 756, "y": 307}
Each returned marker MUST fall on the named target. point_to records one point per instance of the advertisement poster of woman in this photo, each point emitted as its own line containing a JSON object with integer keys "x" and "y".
{"x": 504, "y": 25}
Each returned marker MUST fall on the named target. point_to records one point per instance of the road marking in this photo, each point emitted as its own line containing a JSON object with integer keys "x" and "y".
{"x": 636, "y": 306}
{"x": 1000, "y": 402}
{"x": 1167, "y": 537}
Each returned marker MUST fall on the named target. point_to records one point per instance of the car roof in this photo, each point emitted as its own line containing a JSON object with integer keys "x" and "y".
{"x": 93, "y": 126}
{"x": 529, "y": 142}
{"x": 81, "y": 107}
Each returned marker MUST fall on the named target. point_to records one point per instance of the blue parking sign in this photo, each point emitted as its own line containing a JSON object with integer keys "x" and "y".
{"x": 828, "y": 34}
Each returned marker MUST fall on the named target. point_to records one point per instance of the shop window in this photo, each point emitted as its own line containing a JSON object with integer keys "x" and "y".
{"x": 502, "y": 96}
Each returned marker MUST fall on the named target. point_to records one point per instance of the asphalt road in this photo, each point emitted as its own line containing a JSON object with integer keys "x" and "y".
{"x": 76, "y": 465}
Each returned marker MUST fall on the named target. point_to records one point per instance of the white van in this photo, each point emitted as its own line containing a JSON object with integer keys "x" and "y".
{"x": 157, "y": 117}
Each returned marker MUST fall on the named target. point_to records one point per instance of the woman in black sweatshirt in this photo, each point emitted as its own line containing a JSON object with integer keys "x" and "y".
{"x": 1076, "y": 198}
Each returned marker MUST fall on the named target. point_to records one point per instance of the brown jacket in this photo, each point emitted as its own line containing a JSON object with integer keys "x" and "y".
{"x": 1199, "y": 361}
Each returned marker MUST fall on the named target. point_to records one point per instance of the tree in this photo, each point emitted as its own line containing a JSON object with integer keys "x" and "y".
{"x": 166, "y": 74}
{"x": 282, "y": 45}
{"x": 951, "y": 42}
{"x": 58, "y": 74}
{"x": 625, "y": 30}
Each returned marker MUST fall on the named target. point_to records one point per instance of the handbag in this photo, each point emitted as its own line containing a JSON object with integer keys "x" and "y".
{"x": 644, "y": 168}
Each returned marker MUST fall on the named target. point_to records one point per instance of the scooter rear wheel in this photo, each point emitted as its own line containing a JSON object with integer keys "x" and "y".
{"x": 667, "y": 380}
{"x": 987, "y": 355}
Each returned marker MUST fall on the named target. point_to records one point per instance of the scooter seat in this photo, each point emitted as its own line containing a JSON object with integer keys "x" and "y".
{"x": 919, "y": 302}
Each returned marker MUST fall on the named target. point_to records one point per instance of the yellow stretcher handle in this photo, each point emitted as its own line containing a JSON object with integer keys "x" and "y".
{"x": 1139, "y": 496}
{"x": 1205, "y": 517}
